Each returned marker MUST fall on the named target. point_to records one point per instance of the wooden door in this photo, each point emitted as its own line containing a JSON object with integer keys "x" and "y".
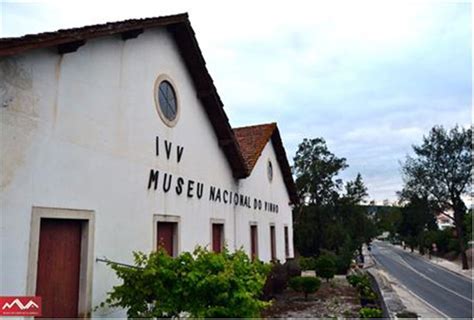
{"x": 287, "y": 243}
{"x": 217, "y": 237}
{"x": 166, "y": 232}
{"x": 253, "y": 242}
{"x": 59, "y": 260}
{"x": 272, "y": 243}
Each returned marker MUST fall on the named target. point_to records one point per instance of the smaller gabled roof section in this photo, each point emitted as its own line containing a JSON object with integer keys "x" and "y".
{"x": 253, "y": 139}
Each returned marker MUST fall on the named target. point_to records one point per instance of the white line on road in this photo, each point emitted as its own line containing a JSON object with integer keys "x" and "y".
{"x": 429, "y": 305}
{"x": 427, "y": 278}
{"x": 444, "y": 269}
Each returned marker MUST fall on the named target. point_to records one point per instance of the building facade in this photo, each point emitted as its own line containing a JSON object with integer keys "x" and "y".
{"x": 113, "y": 140}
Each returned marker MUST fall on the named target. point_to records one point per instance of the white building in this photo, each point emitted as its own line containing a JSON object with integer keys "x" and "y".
{"x": 445, "y": 220}
{"x": 114, "y": 139}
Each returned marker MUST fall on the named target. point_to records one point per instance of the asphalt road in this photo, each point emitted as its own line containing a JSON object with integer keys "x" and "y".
{"x": 447, "y": 292}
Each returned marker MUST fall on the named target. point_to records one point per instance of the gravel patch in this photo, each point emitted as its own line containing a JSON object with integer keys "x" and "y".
{"x": 334, "y": 299}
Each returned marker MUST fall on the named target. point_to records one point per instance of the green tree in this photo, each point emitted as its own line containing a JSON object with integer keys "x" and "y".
{"x": 315, "y": 169}
{"x": 326, "y": 266}
{"x": 388, "y": 219}
{"x": 417, "y": 217}
{"x": 306, "y": 285}
{"x": 441, "y": 172}
{"x": 356, "y": 190}
{"x": 328, "y": 218}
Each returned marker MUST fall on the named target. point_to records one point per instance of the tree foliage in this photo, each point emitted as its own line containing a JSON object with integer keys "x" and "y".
{"x": 306, "y": 285}
{"x": 356, "y": 191}
{"x": 203, "y": 284}
{"x": 315, "y": 169}
{"x": 329, "y": 218}
{"x": 326, "y": 267}
{"x": 441, "y": 172}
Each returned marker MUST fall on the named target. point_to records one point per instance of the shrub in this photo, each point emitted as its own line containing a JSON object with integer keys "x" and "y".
{"x": 325, "y": 267}
{"x": 343, "y": 262}
{"x": 307, "y": 263}
{"x": 407, "y": 314}
{"x": 203, "y": 284}
{"x": 354, "y": 279}
{"x": 306, "y": 285}
{"x": 365, "y": 313}
{"x": 293, "y": 267}
{"x": 276, "y": 282}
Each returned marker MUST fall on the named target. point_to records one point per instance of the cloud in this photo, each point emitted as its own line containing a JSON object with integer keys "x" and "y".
{"x": 371, "y": 77}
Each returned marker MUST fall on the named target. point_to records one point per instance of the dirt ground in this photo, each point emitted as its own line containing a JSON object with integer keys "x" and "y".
{"x": 334, "y": 299}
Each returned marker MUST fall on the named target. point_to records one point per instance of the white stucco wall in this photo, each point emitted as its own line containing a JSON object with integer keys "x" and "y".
{"x": 78, "y": 131}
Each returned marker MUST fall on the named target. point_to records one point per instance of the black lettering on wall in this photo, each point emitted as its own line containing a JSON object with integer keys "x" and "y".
{"x": 225, "y": 194}
{"x": 167, "y": 182}
{"x": 200, "y": 187}
{"x": 190, "y": 188}
{"x": 212, "y": 193}
{"x": 236, "y": 199}
{"x": 153, "y": 178}
{"x": 218, "y": 195}
{"x": 179, "y": 151}
{"x": 179, "y": 185}
{"x": 168, "y": 146}
{"x": 157, "y": 146}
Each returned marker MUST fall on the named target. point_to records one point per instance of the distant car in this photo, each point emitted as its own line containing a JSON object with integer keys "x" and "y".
{"x": 396, "y": 241}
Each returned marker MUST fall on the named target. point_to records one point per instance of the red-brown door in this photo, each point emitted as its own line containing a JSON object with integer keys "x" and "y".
{"x": 217, "y": 235}
{"x": 287, "y": 243}
{"x": 253, "y": 242}
{"x": 59, "y": 260}
{"x": 166, "y": 232}
{"x": 272, "y": 243}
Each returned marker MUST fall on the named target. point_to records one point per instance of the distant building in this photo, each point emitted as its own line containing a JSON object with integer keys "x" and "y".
{"x": 114, "y": 139}
{"x": 443, "y": 221}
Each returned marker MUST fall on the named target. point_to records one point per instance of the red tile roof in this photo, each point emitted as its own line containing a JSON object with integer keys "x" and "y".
{"x": 253, "y": 139}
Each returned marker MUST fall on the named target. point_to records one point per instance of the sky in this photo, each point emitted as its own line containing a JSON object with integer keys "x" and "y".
{"x": 370, "y": 77}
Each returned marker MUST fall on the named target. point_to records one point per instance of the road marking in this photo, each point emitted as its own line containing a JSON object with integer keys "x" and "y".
{"x": 444, "y": 269}
{"x": 427, "y": 278}
{"x": 420, "y": 298}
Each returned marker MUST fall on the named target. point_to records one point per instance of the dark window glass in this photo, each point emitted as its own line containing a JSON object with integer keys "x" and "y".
{"x": 167, "y": 99}
{"x": 270, "y": 171}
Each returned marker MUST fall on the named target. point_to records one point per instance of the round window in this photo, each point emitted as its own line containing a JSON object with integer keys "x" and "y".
{"x": 270, "y": 170}
{"x": 166, "y": 101}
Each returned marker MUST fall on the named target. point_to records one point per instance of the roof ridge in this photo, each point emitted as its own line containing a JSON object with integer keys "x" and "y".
{"x": 256, "y": 125}
{"x": 183, "y": 15}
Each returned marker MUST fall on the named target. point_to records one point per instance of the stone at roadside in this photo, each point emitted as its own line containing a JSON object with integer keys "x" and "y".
{"x": 308, "y": 273}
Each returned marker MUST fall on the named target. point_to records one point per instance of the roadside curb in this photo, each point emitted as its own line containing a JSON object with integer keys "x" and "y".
{"x": 391, "y": 302}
